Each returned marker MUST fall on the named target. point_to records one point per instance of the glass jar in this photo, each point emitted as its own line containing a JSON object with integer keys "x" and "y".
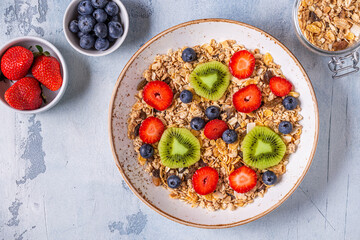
{"x": 342, "y": 63}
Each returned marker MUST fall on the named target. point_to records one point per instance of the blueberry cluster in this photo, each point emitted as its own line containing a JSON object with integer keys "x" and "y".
{"x": 98, "y": 24}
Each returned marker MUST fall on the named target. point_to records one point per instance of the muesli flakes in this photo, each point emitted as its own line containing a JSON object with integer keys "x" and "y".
{"x": 223, "y": 157}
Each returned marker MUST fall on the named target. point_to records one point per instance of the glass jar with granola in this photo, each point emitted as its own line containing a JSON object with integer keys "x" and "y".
{"x": 330, "y": 28}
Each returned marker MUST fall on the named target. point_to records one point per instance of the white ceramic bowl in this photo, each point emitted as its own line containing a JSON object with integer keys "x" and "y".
{"x": 196, "y": 33}
{"x": 71, "y": 14}
{"x": 52, "y": 97}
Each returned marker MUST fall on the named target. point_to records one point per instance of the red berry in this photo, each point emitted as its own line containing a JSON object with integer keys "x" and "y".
{"x": 205, "y": 180}
{"x": 46, "y": 69}
{"x": 151, "y": 129}
{"x": 280, "y": 86}
{"x": 243, "y": 179}
{"x": 25, "y": 94}
{"x": 158, "y": 95}
{"x": 247, "y": 99}
{"x": 242, "y": 64}
{"x": 215, "y": 128}
{"x": 16, "y": 62}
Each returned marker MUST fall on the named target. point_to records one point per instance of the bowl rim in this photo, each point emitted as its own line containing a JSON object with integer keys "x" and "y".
{"x": 96, "y": 53}
{"x": 158, "y": 210}
{"x": 63, "y": 88}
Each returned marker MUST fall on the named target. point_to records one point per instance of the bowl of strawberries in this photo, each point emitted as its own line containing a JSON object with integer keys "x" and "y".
{"x": 33, "y": 75}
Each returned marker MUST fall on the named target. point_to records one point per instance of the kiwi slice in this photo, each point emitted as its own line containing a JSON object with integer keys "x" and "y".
{"x": 262, "y": 148}
{"x": 210, "y": 80}
{"x": 178, "y": 148}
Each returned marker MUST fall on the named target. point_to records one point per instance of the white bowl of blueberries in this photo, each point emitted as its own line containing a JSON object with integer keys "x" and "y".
{"x": 96, "y": 27}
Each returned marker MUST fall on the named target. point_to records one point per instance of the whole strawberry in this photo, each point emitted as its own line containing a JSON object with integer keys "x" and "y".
{"x": 25, "y": 94}
{"x": 16, "y": 62}
{"x": 46, "y": 69}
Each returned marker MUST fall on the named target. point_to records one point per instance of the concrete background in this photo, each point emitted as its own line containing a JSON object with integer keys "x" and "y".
{"x": 58, "y": 179}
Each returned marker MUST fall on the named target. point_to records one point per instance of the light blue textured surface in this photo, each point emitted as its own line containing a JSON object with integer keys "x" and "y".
{"x": 58, "y": 179}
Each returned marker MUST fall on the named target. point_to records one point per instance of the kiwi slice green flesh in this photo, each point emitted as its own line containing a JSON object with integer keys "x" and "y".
{"x": 210, "y": 80}
{"x": 178, "y": 148}
{"x": 263, "y": 148}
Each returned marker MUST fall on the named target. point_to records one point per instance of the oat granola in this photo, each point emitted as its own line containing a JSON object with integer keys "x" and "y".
{"x": 331, "y": 25}
{"x": 225, "y": 158}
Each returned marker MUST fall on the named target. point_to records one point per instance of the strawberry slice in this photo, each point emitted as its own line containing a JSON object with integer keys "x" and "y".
{"x": 205, "y": 180}
{"x": 280, "y": 86}
{"x": 247, "y": 99}
{"x": 242, "y": 64}
{"x": 215, "y": 128}
{"x": 151, "y": 129}
{"x": 243, "y": 179}
{"x": 158, "y": 95}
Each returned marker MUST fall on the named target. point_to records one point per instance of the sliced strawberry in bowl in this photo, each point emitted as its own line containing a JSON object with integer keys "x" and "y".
{"x": 242, "y": 64}
{"x": 280, "y": 86}
{"x": 158, "y": 95}
{"x": 205, "y": 180}
{"x": 247, "y": 99}
{"x": 243, "y": 179}
{"x": 151, "y": 129}
{"x": 215, "y": 128}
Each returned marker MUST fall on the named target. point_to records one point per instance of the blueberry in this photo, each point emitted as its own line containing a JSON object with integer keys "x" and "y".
{"x": 269, "y": 178}
{"x": 229, "y": 136}
{"x": 111, "y": 9}
{"x": 116, "y": 18}
{"x": 85, "y": 7}
{"x": 86, "y": 24}
{"x": 290, "y": 103}
{"x": 101, "y": 30}
{"x": 197, "y": 123}
{"x": 173, "y": 181}
{"x": 111, "y": 39}
{"x": 146, "y": 151}
{"x": 100, "y": 15}
{"x": 188, "y": 55}
{"x": 80, "y": 34}
{"x": 87, "y": 41}
{"x": 212, "y": 112}
{"x": 285, "y": 127}
{"x": 115, "y": 29}
{"x": 80, "y": 17}
{"x": 99, "y": 3}
{"x": 73, "y": 26}
{"x": 186, "y": 96}
{"x": 101, "y": 44}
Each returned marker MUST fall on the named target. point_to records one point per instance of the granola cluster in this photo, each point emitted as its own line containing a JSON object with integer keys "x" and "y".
{"x": 331, "y": 25}
{"x": 214, "y": 153}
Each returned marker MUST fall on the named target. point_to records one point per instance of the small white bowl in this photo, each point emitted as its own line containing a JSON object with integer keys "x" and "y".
{"x": 71, "y": 14}
{"x": 52, "y": 97}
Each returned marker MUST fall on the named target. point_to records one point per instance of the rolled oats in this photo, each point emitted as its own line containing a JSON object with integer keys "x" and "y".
{"x": 331, "y": 25}
{"x": 225, "y": 158}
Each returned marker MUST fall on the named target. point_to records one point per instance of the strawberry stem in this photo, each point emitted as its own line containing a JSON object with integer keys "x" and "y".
{"x": 40, "y": 51}
{"x": 39, "y": 48}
